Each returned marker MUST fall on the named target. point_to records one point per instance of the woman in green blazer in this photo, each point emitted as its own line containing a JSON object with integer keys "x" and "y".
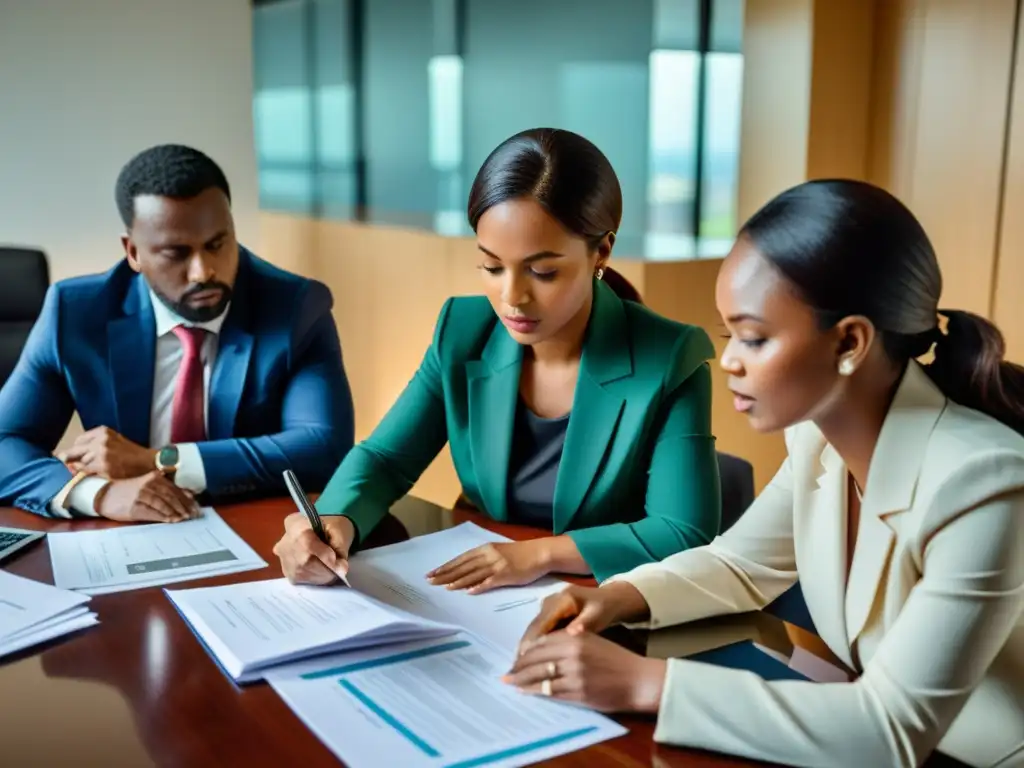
{"x": 564, "y": 404}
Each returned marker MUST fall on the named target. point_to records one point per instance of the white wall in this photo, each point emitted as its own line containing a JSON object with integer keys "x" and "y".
{"x": 85, "y": 84}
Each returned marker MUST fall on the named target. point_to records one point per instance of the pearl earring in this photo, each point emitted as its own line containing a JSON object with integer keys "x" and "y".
{"x": 846, "y": 366}
{"x": 599, "y": 273}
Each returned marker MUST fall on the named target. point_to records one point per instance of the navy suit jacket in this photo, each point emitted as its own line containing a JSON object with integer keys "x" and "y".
{"x": 278, "y": 394}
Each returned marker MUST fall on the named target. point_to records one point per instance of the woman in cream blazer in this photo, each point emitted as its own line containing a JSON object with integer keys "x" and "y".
{"x": 917, "y": 583}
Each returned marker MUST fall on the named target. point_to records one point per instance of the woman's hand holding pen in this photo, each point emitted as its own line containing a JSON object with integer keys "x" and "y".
{"x": 575, "y": 664}
{"x": 307, "y": 560}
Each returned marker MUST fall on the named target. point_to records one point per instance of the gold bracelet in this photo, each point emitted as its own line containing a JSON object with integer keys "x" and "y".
{"x": 61, "y": 498}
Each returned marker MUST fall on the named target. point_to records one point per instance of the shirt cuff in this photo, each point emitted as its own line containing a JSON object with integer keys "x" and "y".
{"x": 191, "y": 474}
{"x": 81, "y": 500}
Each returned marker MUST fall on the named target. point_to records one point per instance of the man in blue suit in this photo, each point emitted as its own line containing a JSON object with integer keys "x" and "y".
{"x": 195, "y": 367}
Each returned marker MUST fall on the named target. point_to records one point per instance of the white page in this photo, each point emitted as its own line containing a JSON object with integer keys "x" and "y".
{"x": 47, "y": 624}
{"x": 433, "y": 703}
{"x": 149, "y": 554}
{"x": 24, "y": 603}
{"x": 251, "y": 625}
{"x": 162, "y": 580}
{"x": 23, "y": 641}
{"x": 396, "y": 574}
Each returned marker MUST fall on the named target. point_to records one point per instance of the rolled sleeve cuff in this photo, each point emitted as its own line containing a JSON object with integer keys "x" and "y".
{"x": 191, "y": 474}
{"x": 674, "y": 712}
{"x": 81, "y": 501}
{"x": 661, "y": 598}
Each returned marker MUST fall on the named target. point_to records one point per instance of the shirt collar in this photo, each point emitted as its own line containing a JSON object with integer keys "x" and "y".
{"x": 166, "y": 320}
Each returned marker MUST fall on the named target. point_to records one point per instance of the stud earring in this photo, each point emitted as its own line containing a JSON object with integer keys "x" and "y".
{"x": 599, "y": 273}
{"x": 846, "y": 366}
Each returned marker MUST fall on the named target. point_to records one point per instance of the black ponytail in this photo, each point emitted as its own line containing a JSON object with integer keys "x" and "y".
{"x": 620, "y": 286}
{"x": 851, "y": 248}
{"x": 969, "y": 367}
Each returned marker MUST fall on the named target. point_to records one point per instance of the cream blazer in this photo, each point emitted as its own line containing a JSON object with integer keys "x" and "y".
{"x": 932, "y": 616}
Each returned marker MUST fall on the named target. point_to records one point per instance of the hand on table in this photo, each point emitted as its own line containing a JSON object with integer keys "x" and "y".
{"x": 589, "y": 670}
{"x": 104, "y": 452}
{"x": 307, "y": 560}
{"x": 586, "y": 609}
{"x": 151, "y": 497}
{"x": 494, "y": 565}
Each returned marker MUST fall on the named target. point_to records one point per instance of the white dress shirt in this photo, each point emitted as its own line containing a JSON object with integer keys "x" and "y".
{"x": 191, "y": 474}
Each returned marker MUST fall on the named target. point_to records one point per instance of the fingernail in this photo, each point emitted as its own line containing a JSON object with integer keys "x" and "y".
{"x": 505, "y": 679}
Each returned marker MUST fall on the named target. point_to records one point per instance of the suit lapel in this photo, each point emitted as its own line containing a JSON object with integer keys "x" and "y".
{"x": 230, "y": 369}
{"x": 892, "y": 482}
{"x": 131, "y": 357}
{"x": 493, "y": 392}
{"x": 826, "y": 590}
{"x": 596, "y": 409}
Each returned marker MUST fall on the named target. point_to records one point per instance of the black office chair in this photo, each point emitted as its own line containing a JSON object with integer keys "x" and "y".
{"x": 24, "y": 278}
{"x": 737, "y": 477}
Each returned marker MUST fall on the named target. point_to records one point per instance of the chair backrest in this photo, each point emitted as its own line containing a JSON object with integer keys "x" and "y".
{"x": 737, "y": 476}
{"x": 24, "y": 278}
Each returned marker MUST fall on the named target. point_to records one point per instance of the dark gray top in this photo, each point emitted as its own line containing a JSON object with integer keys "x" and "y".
{"x": 533, "y": 467}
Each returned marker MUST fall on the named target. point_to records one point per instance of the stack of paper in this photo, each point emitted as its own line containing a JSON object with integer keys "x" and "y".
{"x": 436, "y": 703}
{"x": 396, "y": 575}
{"x": 403, "y": 686}
{"x": 252, "y": 626}
{"x": 136, "y": 556}
{"x": 32, "y": 613}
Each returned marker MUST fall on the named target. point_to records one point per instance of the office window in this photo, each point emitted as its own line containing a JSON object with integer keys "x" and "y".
{"x": 385, "y": 110}
{"x": 304, "y": 107}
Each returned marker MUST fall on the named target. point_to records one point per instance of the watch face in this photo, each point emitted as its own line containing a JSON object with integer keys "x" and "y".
{"x": 168, "y": 456}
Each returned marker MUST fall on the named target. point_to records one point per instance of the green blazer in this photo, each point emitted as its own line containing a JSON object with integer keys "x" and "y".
{"x": 638, "y": 478}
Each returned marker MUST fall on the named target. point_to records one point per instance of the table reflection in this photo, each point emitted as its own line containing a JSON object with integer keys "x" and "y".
{"x": 140, "y": 689}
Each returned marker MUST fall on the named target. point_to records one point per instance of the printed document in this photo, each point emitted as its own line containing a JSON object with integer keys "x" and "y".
{"x": 251, "y": 626}
{"x": 32, "y": 613}
{"x": 137, "y": 556}
{"x": 396, "y": 575}
{"x": 432, "y": 703}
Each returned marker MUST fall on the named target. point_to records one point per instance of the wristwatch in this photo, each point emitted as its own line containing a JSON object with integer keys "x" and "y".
{"x": 167, "y": 459}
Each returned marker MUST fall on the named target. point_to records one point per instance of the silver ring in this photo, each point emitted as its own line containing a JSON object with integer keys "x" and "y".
{"x": 545, "y": 688}
{"x": 552, "y": 670}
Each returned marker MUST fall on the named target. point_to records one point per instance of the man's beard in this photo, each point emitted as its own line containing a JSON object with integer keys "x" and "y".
{"x": 193, "y": 314}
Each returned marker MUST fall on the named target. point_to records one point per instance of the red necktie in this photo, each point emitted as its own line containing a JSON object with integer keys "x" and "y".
{"x": 187, "y": 418}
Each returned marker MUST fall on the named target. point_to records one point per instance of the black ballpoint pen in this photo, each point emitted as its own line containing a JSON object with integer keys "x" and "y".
{"x": 306, "y": 507}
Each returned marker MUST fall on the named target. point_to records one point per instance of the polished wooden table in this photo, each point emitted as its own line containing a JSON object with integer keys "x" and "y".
{"x": 139, "y": 690}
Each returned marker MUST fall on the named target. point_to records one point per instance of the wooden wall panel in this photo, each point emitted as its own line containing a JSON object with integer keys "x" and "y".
{"x": 1008, "y": 306}
{"x": 777, "y": 45}
{"x": 840, "y": 99}
{"x": 941, "y": 88}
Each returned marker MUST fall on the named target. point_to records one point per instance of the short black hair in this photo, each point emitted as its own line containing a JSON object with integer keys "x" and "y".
{"x": 166, "y": 170}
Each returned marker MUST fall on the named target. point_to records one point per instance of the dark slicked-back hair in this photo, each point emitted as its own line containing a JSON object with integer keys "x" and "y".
{"x": 570, "y": 178}
{"x": 167, "y": 170}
